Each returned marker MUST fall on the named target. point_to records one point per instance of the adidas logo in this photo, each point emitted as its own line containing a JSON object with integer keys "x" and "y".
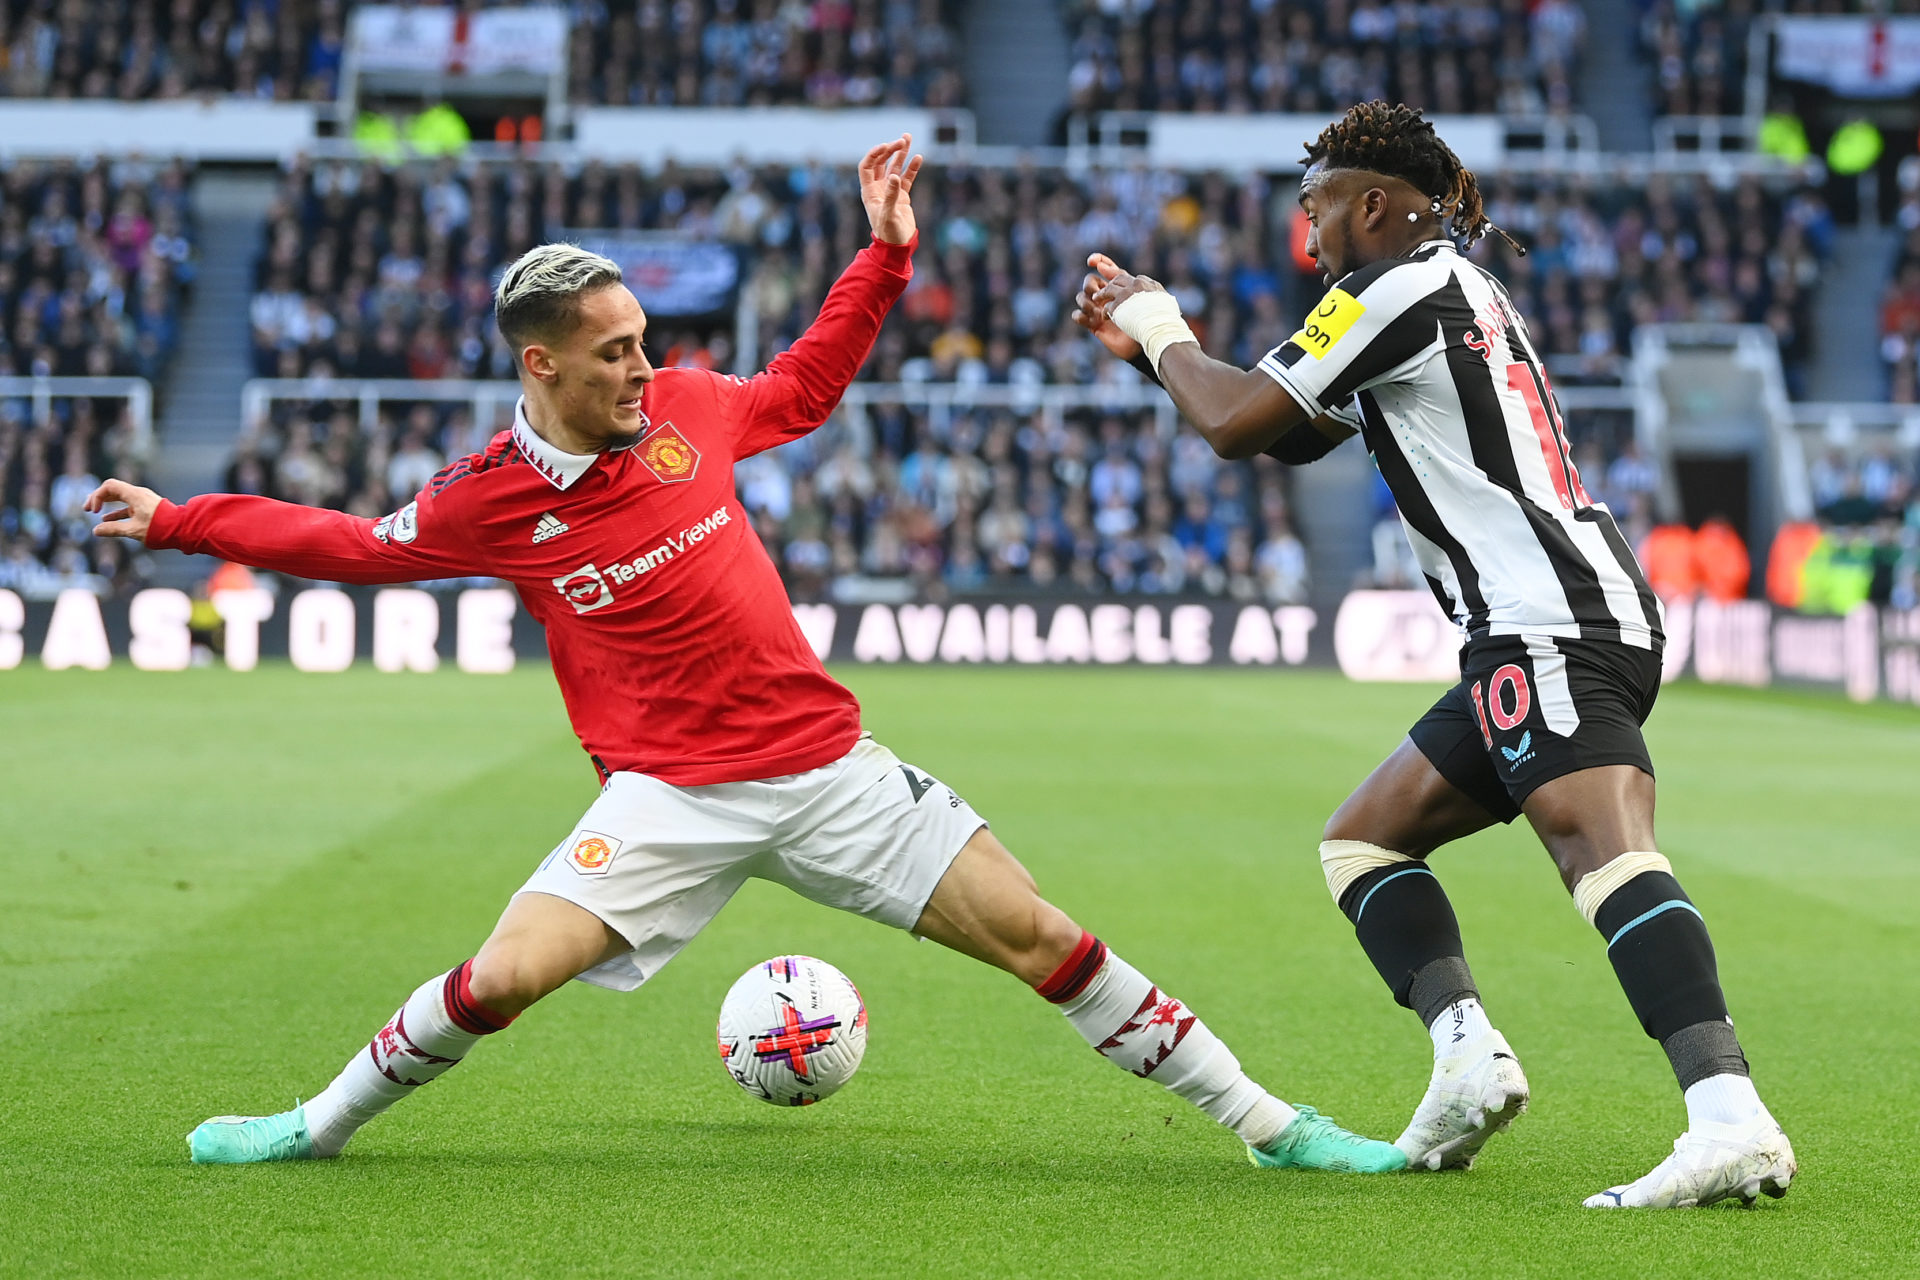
{"x": 550, "y": 526}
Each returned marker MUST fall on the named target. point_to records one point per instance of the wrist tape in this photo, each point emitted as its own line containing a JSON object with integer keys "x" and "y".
{"x": 1152, "y": 320}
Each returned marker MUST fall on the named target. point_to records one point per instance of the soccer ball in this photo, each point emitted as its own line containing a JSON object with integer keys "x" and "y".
{"x": 792, "y": 1030}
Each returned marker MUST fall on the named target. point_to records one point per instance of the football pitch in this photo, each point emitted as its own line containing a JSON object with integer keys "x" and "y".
{"x": 215, "y": 886}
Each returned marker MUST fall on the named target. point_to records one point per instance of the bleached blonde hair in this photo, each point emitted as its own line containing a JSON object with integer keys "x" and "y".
{"x": 539, "y": 294}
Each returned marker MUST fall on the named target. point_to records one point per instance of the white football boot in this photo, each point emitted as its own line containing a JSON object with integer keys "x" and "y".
{"x": 1712, "y": 1162}
{"x": 1475, "y": 1093}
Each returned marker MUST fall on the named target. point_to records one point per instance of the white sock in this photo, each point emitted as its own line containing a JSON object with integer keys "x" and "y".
{"x": 1129, "y": 1020}
{"x": 1723, "y": 1099}
{"x": 419, "y": 1043}
{"x": 1460, "y": 1023}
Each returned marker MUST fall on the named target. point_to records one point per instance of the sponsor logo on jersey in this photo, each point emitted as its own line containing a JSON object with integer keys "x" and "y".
{"x": 590, "y": 587}
{"x": 585, "y": 588}
{"x": 666, "y": 453}
{"x": 592, "y": 853}
{"x": 402, "y": 526}
{"x": 550, "y": 526}
{"x": 1328, "y": 323}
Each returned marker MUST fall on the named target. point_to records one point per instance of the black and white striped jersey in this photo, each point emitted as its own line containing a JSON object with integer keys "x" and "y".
{"x": 1425, "y": 355}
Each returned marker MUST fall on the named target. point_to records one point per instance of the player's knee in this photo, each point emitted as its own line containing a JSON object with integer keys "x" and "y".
{"x": 1599, "y": 880}
{"x": 1346, "y": 861}
{"x": 508, "y": 978}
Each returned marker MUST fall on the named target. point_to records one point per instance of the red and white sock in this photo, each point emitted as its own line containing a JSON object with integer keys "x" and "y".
{"x": 1131, "y": 1022}
{"x": 429, "y": 1034}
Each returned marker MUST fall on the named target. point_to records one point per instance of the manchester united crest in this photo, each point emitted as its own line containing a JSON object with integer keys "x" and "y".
{"x": 666, "y": 453}
{"x": 592, "y": 853}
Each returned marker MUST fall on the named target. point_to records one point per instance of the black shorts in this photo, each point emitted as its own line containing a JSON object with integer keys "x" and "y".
{"x": 1531, "y": 709}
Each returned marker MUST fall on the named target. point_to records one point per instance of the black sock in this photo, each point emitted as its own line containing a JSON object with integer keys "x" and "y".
{"x": 1661, "y": 953}
{"x": 1407, "y": 928}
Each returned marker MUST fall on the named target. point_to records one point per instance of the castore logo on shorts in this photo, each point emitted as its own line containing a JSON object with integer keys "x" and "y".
{"x": 590, "y": 587}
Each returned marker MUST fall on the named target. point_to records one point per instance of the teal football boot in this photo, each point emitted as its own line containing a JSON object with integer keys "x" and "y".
{"x": 1314, "y": 1142}
{"x": 252, "y": 1139}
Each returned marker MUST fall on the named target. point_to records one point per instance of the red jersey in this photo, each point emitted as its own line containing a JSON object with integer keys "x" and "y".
{"x": 671, "y": 635}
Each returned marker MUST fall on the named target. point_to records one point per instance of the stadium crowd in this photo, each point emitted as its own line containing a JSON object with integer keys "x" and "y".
{"x": 93, "y": 263}
{"x": 729, "y": 53}
{"x": 1602, "y": 260}
{"x": 689, "y": 53}
{"x": 1698, "y": 54}
{"x": 284, "y": 49}
{"x": 1482, "y": 56}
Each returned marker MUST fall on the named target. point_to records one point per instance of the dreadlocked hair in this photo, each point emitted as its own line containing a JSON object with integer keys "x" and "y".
{"x": 1398, "y": 141}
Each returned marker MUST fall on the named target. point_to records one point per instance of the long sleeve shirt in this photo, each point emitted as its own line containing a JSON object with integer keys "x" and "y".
{"x": 671, "y": 635}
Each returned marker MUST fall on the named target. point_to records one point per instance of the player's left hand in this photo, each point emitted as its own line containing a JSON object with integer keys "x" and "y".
{"x": 886, "y": 185}
{"x": 132, "y": 520}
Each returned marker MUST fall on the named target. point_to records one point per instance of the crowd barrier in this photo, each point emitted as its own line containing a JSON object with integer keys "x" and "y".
{"x": 1374, "y": 635}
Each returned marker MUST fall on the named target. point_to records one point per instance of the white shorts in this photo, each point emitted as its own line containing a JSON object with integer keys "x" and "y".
{"x": 866, "y": 834}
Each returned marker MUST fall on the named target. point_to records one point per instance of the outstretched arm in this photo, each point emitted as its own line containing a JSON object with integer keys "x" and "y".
{"x": 804, "y": 383}
{"x": 416, "y": 543}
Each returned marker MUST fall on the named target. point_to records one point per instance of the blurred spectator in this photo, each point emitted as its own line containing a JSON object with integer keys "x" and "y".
{"x": 1721, "y": 563}
{"x": 1241, "y": 56}
{"x": 1866, "y": 546}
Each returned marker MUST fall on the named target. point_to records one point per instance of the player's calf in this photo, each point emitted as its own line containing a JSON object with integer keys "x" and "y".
{"x": 1406, "y": 925}
{"x": 1132, "y": 1023}
{"x": 1658, "y": 944}
{"x": 988, "y": 907}
{"x": 426, "y": 1037}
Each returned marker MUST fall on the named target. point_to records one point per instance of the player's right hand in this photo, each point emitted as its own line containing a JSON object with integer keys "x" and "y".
{"x": 130, "y": 521}
{"x": 1092, "y": 317}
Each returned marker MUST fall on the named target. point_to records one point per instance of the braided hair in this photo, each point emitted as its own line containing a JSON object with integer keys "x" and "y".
{"x": 1400, "y": 142}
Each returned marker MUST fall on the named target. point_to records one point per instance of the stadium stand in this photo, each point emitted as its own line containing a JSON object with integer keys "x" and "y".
{"x": 94, "y": 259}
{"x": 1604, "y": 259}
{"x": 1698, "y": 54}
{"x": 186, "y": 48}
{"x": 729, "y": 53}
{"x": 1480, "y": 56}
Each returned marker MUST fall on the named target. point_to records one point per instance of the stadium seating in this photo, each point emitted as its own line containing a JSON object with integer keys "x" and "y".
{"x": 727, "y": 53}
{"x": 1698, "y": 54}
{"x": 187, "y": 48}
{"x": 1604, "y": 259}
{"x": 1481, "y": 56}
{"x": 93, "y": 261}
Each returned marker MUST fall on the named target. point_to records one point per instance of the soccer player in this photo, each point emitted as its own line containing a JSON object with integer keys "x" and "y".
{"x": 1422, "y": 353}
{"x": 723, "y": 748}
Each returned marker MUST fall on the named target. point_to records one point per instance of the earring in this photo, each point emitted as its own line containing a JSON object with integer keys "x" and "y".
{"x": 1413, "y": 217}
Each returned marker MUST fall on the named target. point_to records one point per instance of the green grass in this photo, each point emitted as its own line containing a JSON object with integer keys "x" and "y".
{"x": 214, "y": 887}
